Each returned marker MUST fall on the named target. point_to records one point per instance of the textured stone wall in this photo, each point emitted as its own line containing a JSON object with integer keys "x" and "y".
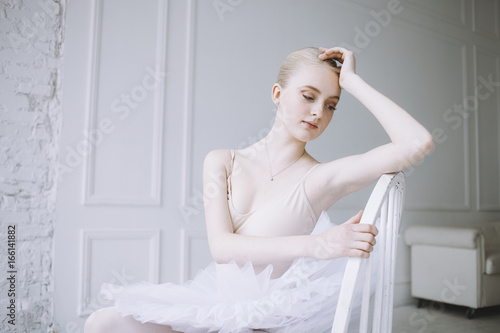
{"x": 31, "y": 34}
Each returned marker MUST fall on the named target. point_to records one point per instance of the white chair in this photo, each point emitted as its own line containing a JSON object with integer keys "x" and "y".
{"x": 386, "y": 202}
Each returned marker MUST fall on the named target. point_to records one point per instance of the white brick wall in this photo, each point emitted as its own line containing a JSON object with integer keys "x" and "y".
{"x": 31, "y": 34}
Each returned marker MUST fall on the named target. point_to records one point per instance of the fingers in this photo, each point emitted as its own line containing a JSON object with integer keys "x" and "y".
{"x": 337, "y": 52}
{"x": 360, "y": 249}
{"x": 358, "y": 254}
{"x": 368, "y": 228}
{"x": 366, "y": 237}
{"x": 349, "y": 239}
{"x": 355, "y": 219}
{"x": 361, "y": 232}
{"x": 361, "y": 240}
{"x": 365, "y": 228}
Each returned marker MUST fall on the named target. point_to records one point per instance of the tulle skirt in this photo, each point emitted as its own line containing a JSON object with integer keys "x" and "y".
{"x": 227, "y": 298}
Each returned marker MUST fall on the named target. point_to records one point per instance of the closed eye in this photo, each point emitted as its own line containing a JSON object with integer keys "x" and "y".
{"x": 309, "y": 98}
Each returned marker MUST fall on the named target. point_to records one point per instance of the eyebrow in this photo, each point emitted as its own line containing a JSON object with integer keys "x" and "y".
{"x": 319, "y": 92}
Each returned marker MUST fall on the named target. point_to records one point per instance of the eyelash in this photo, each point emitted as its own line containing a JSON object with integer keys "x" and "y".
{"x": 310, "y": 99}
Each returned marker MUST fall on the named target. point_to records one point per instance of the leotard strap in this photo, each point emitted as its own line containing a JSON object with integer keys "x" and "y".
{"x": 233, "y": 154}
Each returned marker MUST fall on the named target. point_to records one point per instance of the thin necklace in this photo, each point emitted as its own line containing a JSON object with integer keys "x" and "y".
{"x": 269, "y": 160}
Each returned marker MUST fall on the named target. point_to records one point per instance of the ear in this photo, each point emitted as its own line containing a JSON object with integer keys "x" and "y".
{"x": 276, "y": 94}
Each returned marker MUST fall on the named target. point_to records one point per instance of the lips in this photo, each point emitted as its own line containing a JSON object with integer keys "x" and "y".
{"x": 310, "y": 125}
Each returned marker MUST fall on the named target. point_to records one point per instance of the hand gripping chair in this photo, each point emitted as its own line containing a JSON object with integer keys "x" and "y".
{"x": 386, "y": 203}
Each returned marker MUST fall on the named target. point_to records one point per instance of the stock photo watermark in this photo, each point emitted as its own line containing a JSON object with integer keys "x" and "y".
{"x": 459, "y": 112}
{"x": 455, "y": 115}
{"x": 122, "y": 107}
{"x": 198, "y": 199}
{"x": 298, "y": 278}
{"x": 372, "y": 29}
{"x": 11, "y": 272}
{"x": 422, "y": 318}
{"x": 119, "y": 279}
{"x": 222, "y": 7}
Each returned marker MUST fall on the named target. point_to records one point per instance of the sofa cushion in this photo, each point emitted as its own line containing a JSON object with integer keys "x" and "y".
{"x": 442, "y": 236}
{"x": 492, "y": 261}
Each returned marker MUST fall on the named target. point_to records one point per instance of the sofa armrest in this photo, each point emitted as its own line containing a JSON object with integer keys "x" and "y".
{"x": 466, "y": 238}
{"x": 491, "y": 233}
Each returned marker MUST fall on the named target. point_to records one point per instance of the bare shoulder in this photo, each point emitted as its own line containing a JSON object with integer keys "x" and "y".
{"x": 217, "y": 159}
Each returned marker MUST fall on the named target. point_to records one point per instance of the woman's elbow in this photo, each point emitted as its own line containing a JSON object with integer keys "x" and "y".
{"x": 425, "y": 144}
{"x": 420, "y": 148}
{"x": 220, "y": 253}
{"x": 219, "y": 258}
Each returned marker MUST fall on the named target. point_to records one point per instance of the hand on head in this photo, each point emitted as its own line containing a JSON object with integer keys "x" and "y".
{"x": 345, "y": 57}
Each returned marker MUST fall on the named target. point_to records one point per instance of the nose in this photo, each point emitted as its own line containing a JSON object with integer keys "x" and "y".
{"x": 317, "y": 110}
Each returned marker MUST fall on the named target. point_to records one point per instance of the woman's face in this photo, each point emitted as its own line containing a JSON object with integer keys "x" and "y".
{"x": 308, "y": 102}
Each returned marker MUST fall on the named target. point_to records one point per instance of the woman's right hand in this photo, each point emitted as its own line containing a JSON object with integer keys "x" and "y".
{"x": 346, "y": 58}
{"x": 349, "y": 239}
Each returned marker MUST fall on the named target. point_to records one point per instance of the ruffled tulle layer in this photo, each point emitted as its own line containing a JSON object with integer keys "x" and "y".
{"x": 231, "y": 299}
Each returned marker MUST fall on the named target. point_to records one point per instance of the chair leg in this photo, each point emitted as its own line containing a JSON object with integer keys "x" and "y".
{"x": 420, "y": 303}
{"x": 470, "y": 313}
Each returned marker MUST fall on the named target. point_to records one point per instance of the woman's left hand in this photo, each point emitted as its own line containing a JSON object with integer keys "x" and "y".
{"x": 346, "y": 58}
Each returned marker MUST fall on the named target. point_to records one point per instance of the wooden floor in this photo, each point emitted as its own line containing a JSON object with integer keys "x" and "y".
{"x": 439, "y": 318}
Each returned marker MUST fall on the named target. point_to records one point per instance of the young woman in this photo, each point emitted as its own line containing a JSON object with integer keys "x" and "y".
{"x": 275, "y": 253}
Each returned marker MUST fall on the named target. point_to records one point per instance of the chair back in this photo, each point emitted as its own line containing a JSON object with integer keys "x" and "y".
{"x": 385, "y": 204}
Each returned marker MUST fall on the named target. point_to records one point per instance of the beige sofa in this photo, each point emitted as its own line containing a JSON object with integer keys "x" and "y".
{"x": 456, "y": 265}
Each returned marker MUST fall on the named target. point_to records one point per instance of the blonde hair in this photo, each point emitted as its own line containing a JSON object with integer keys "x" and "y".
{"x": 308, "y": 55}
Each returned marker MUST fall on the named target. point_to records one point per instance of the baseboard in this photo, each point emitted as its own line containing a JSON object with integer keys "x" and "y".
{"x": 402, "y": 294}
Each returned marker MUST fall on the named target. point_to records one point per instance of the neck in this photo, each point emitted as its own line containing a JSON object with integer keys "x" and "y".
{"x": 282, "y": 148}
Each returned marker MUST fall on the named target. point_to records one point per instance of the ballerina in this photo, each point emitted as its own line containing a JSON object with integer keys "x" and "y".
{"x": 278, "y": 261}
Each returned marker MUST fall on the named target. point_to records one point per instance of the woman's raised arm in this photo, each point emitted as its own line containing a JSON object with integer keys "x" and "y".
{"x": 410, "y": 141}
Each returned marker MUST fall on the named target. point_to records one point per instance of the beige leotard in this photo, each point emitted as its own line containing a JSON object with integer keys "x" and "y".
{"x": 290, "y": 213}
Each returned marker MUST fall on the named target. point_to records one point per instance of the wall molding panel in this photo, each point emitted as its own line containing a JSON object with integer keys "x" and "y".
{"x": 154, "y": 176}
{"x": 479, "y": 19}
{"x": 487, "y": 120}
{"x": 461, "y": 47}
{"x": 149, "y": 244}
{"x": 428, "y": 8}
{"x": 187, "y": 252}
{"x": 187, "y": 149}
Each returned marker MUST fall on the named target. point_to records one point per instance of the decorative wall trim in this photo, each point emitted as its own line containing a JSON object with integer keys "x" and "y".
{"x": 86, "y": 239}
{"x": 431, "y": 12}
{"x": 475, "y": 50}
{"x": 187, "y": 236}
{"x": 466, "y": 205}
{"x": 466, "y": 140}
{"x": 154, "y": 199}
{"x": 496, "y": 12}
{"x": 187, "y": 147}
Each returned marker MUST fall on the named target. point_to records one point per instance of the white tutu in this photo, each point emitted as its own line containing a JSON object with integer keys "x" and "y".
{"x": 227, "y": 298}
